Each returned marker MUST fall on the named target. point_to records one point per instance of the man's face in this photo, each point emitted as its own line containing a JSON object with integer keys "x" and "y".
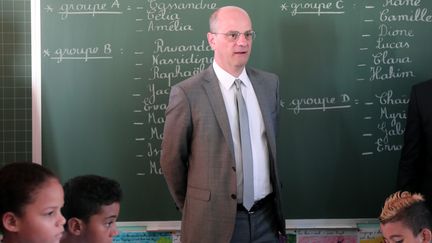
{"x": 231, "y": 55}
{"x": 397, "y": 232}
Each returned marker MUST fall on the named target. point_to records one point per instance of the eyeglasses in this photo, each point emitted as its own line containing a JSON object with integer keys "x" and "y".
{"x": 234, "y": 35}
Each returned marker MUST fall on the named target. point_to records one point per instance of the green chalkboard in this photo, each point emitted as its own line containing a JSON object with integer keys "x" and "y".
{"x": 15, "y": 82}
{"x": 346, "y": 68}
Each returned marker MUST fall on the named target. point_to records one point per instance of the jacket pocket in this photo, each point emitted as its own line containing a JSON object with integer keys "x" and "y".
{"x": 200, "y": 194}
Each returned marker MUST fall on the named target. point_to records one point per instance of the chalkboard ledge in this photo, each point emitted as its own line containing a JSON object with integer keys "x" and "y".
{"x": 328, "y": 223}
{"x": 152, "y": 225}
{"x": 290, "y": 224}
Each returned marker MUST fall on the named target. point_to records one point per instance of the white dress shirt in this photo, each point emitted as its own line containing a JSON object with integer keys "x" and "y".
{"x": 261, "y": 168}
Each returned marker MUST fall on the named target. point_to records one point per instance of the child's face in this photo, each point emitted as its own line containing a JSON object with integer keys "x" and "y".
{"x": 394, "y": 232}
{"x": 42, "y": 221}
{"x": 102, "y": 227}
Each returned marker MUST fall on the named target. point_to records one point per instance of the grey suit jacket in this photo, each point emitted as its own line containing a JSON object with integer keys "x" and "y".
{"x": 198, "y": 154}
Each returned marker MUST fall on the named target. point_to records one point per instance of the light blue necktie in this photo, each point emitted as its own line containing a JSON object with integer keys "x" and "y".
{"x": 246, "y": 149}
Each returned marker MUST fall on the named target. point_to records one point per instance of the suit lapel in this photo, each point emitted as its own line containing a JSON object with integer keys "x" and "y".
{"x": 211, "y": 86}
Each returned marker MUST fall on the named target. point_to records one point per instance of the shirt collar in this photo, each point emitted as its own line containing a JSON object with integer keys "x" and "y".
{"x": 226, "y": 79}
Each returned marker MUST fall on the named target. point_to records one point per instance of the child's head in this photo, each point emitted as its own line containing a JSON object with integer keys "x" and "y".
{"x": 31, "y": 197}
{"x": 92, "y": 205}
{"x": 406, "y": 218}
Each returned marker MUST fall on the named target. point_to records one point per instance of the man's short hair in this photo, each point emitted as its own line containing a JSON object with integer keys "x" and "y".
{"x": 213, "y": 21}
{"x": 408, "y": 208}
{"x": 85, "y": 195}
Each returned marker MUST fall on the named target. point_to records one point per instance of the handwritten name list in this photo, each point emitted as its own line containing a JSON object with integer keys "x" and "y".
{"x": 389, "y": 30}
{"x": 394, "y": 24}
{"x": 158, "y": 64}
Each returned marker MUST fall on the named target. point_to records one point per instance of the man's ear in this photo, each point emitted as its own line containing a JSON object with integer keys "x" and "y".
{"x": 75, "y": 226}
{"x": 210, "y": 39}
{"x": 426, "y": 235}
{"x": 10, "y": 222}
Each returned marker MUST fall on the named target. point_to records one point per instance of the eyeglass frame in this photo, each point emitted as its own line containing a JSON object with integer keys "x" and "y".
{"x": 249, "y": 35}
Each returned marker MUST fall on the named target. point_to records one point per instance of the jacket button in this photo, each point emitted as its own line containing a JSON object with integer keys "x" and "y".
{"x": 233, "y": 196}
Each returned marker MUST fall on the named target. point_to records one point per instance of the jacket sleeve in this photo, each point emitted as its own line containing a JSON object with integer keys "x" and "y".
{"x": 175, "y": 145}
{"x": 409, "y": 162}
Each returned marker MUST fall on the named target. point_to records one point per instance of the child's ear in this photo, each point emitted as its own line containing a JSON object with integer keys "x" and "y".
{"x": 10, "y": 222}
{"x": 426, "y": 235}
{"x": 75, "y": 226}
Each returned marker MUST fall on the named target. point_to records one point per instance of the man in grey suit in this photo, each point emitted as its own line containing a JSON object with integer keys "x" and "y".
{"x": 202, "y": 157}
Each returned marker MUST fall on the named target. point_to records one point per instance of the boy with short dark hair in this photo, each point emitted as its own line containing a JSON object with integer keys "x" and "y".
{"x": 92, "y": 206}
